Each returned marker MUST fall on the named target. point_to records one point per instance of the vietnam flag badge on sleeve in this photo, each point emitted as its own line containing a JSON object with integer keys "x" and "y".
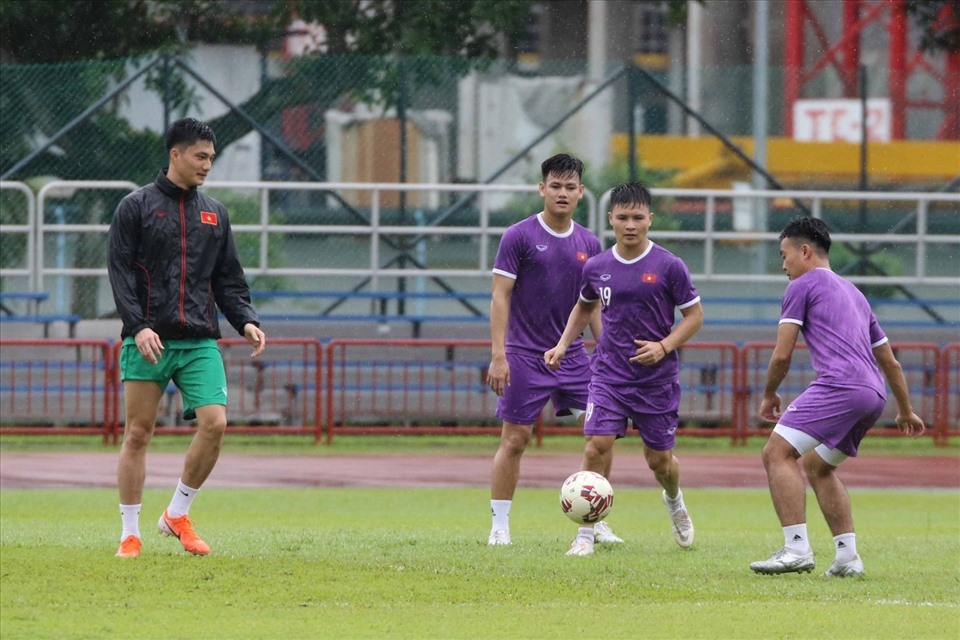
{"x": 208, "y": 217}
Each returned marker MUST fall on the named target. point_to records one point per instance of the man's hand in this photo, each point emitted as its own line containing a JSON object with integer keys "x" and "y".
{"x": 255, "y": 337}
{"x": 553, "y": 357}
{"x": 910, "y": 425}
{"x": 648, "y": 352}
{"x": 149, "y": 345}
{"x": 770, "y": 408}
{"x": 498, "y": 375}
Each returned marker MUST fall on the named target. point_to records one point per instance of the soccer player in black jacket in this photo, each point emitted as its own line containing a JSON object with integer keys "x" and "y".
{"x": 172, "y": 265}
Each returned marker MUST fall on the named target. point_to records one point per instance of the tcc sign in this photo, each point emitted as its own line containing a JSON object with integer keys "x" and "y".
{"x": 840, "y": 120}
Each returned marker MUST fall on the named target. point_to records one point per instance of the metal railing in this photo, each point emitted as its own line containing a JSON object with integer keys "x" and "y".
{"x": 712, "y": 230}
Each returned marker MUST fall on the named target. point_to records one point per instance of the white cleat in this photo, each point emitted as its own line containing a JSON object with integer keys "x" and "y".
{"x": 682, "y": 524}
{"x": 850, "y": 569}
{"x": 499, "y": 537}
{"x": 784, "y": 561}
{"x": 581, "y": 547}
{"x": 604, "y": 534}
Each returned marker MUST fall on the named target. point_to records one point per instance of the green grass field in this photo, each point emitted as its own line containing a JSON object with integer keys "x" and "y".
{"x": 390, "y": 563}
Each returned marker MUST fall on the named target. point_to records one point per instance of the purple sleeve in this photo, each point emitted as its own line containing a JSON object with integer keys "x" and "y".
{"x": 587, "y": 290}
{"x": 877, "y": 336}
{"x": 509, "y": 253}
{"x": 683, "y": 290}
{"x": 794, "y": 304}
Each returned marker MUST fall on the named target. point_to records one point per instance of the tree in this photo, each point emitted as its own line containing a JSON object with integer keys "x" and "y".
{"x": 56, "y": 31}
{"x": 939, "y": 21}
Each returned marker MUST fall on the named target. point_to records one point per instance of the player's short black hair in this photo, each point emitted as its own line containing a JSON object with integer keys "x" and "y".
{"x": 188, "y": 131}
{"x": 630, "y": 193}
{"x": 562, "y": 165}
{"x": 812, "y": 230}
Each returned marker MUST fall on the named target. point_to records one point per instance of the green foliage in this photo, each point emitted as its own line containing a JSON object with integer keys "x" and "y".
{"x": 413, "y": 563}
{"x": 938, "y": 21}
{"x": 48, "y": 31}
{"x": 846, "y": 261}
{"x": 468, "y": 28}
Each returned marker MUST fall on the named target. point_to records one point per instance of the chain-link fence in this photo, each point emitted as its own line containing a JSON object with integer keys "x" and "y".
{"x": 335, "y": 119}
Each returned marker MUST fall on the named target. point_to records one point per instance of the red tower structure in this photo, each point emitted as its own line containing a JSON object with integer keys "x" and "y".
{"x": 803, "y": 62}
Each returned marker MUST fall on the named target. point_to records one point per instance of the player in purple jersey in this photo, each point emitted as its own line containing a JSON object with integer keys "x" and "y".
{"x": 823, "y": 426}
{"x": 536, "y": 277}
{"x": 638, "y": 285}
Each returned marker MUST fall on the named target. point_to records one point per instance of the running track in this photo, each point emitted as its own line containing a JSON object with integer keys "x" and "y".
{"x": 66, "y": 470}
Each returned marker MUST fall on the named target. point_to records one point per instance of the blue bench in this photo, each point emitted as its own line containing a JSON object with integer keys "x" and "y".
{"x": 45, "y": 319}
{"x": 33, "y": 298}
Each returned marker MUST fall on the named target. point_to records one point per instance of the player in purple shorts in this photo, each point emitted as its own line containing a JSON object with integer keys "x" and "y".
{"x": 536, "y": 278}
{"x": 638, "y": 286}
{"x": 823, "y": 426}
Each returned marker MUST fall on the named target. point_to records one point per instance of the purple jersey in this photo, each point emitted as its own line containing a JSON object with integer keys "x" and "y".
{"x": 839, "y": 328}
{"x": 638, "y": 299}
{"x": 546, "y": 267}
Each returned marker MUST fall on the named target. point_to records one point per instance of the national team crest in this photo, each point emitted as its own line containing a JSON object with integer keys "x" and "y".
{"x": 208, "y": 217}
{"x": 649, "y": 278}
{"x": 582, "y": 256}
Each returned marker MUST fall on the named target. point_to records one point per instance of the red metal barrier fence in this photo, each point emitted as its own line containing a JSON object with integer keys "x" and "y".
{"x": 57, "y": 387}
{"x": 300, "y": 386}
{"x": 276, "y": 393}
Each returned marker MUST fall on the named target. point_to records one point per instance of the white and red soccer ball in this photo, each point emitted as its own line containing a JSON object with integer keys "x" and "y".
{"x": 586, "y": 497}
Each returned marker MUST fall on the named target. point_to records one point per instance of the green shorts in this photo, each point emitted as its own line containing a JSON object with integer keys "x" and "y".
{"x": 195, "y": 366}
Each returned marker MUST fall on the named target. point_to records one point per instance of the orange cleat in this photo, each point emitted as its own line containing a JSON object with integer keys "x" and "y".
{"x": 129, "y": 547}
{"x": 182, "y": 529}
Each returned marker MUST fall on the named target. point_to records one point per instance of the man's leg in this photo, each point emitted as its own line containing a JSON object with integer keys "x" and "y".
{"x": 597, "y": 457}
{"x": 201, "y": 458}
{"x": 666, "y": 469}
{"x": 834, "y": 503}
{"x": 514, "y": 439}
{"x": 788, "y": 493}
{"x": 785, "y": 481}
{"x": 141, "y": 401}
{"x": 205, "y": 447}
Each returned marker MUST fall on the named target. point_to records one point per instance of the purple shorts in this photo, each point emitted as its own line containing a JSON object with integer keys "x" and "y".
{"x": 651, "y": 408}
{"x": 532, "y": 383}
{"x": 838, "y": 417}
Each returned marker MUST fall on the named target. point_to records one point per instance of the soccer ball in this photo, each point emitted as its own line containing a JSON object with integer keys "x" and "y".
{"x": 586, "y": 497}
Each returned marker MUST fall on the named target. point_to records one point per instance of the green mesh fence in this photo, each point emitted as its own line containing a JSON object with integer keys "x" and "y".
{"x": 316, "y": 119}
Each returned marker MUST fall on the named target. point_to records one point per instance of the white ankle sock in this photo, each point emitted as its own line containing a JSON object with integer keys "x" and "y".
{"x": 181, "y": 501}
{"x": 846, "y": 544}
{"x": 795, "y": 538}
{"x": 675, "y": 503}
{"x": 501, "y": 514}
{"x": 130, "y": 517}
{"x": 586, "y": 533}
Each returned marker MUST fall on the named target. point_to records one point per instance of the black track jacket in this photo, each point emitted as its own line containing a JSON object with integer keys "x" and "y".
{"x": 172, "y": 262}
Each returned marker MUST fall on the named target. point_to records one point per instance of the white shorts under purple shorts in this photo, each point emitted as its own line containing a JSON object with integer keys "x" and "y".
{"x": 838, "y": 417}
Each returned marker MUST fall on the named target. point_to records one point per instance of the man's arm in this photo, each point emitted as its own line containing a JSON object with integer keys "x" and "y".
{"x": 908, "y": 422}
{"x": 651, "y": 352}
{"x": 581, "y": 315}
{"x": 787, "y": 333}
{"x": 124, "y": 242}
{"x": 498, "y": 375}
{"x": 230, "y": 288}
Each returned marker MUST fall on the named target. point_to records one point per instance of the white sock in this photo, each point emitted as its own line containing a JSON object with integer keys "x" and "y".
{"x": 130, "y": 517}
{"x": 585, "y": 533}
{"x": 501, "y": 514}
{"x": 846, "y": 544}
{"x": 181, "y": 501}
{"x": 795, "y": 538}
{"x": 675, "y": 504}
